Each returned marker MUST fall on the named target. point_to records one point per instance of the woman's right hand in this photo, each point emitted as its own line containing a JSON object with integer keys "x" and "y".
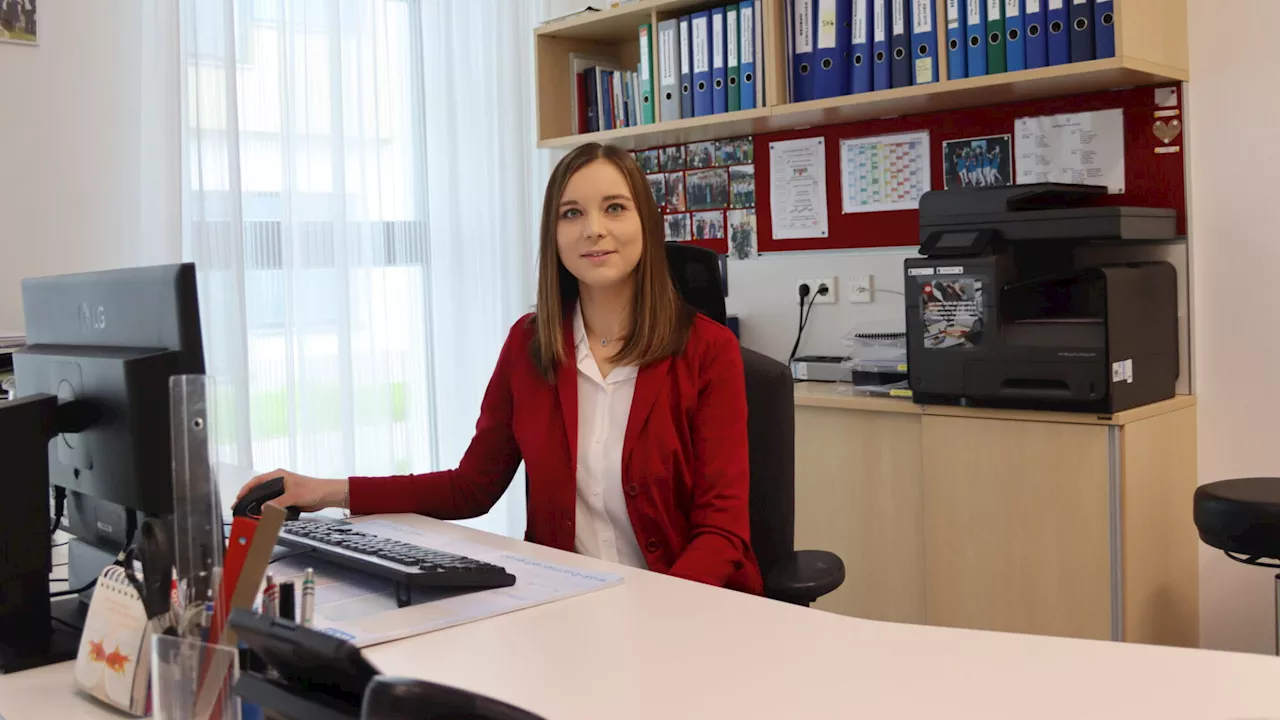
{"x": 308, "y": 494}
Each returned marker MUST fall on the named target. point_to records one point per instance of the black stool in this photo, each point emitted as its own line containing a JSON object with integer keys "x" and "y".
{"x": 1241, "y": 517}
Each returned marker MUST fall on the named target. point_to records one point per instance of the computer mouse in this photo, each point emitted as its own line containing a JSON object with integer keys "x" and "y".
{"x": 251, "y": 504}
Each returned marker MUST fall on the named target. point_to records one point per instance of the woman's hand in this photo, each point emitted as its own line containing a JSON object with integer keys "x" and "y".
{"x": 308, "y": 494}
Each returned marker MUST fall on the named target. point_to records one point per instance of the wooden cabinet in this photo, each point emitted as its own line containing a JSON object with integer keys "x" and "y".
{"x": 860, "y": 496}
{"x": 1044, "y": 523}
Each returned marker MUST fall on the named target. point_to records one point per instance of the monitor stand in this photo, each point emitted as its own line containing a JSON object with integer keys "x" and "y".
{"x": 29, "y": 635}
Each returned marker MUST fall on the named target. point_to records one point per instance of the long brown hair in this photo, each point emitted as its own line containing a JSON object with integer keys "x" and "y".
{"x": 660, "y": 319}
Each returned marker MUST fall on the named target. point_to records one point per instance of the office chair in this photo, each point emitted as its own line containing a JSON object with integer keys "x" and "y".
{"x": 796, "y": 576}
{"x": 1241, "y": 517}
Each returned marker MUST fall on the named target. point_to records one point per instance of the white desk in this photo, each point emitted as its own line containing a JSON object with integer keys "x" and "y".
{"x": 657, "y": 647}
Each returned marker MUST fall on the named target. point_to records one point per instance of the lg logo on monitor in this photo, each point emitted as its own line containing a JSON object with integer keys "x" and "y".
{"x": 93, "y": 318}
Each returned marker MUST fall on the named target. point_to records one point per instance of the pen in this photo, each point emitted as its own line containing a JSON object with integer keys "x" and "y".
{"x": 286, "y": 601}
{"x": 270, "y": 596}
{"x": 308, "y": 597}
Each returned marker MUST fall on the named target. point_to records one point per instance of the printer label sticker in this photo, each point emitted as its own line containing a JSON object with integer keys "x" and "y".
{"x": 1122, "y": 371}
{"x": 952, "y": 270}
{"x": 951, "y": 312}
{"x": 915, "y": 272}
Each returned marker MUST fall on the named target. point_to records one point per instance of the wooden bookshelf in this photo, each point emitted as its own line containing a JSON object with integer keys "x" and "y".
{"x": 1151, "y": 49}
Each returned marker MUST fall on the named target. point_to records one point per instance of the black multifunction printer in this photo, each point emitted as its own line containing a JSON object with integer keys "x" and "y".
{"x": 1000, "y": 313}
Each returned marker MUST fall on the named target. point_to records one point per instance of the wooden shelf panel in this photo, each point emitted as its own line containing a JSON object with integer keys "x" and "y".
{"x": 1073, "y": 79}
{"x": 620, "y": 22}
{"x": 674, "y": 132}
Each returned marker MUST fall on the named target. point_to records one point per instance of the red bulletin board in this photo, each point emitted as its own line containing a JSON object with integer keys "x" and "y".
{"x": 1151, "y": 179}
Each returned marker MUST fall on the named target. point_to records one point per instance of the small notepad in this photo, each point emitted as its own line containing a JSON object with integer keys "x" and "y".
{"x": 114, "y": 661}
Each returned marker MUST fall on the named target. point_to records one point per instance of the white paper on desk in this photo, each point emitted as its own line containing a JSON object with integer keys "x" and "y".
{"x": 889, "y": 172}
{"x": 362, "y": 608}
{"x": 798, "y": 188}
{"x": 1077, "y": 148}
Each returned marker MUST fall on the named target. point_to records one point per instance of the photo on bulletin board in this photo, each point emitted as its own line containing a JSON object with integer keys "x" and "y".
{"x": 672, "y": 158}
{"x": 708, "y": 225}
{"x": 675, "y": 192}
{"x": 978, "y": 162}
{"x": 738, "y": 151}
{"x": 742, "y": 234}
{"x": 658, "y": 185}
{"x": 18, "y": 22}
{"x": 742, "y": 186}
{"x": 707, "y": 189}
{"x": 700, "y": 154}
{"x": 678, "y": 227}
{"x": 648, "y": 161}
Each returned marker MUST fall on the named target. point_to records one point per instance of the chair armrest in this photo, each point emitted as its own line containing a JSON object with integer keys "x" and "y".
{"x": 805, "y": 577}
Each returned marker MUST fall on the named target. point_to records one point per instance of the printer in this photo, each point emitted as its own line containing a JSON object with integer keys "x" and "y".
{"x": 999, "y": 313}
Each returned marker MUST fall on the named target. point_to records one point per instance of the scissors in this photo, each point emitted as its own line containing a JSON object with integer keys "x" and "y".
{"x": 154, "y": 551}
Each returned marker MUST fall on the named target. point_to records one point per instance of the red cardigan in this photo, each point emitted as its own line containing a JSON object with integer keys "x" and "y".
{"x": 684, "y": 458}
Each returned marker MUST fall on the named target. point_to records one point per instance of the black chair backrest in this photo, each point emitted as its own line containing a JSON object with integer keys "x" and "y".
{"x": 696, "y": 273}
{"x": 771, "y": 433}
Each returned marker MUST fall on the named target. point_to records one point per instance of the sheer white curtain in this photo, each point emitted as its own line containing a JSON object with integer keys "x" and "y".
{"x": 361, "y": 193}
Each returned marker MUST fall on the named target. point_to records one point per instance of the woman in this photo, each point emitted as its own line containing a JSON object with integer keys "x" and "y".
{"x": 627, "y": 407}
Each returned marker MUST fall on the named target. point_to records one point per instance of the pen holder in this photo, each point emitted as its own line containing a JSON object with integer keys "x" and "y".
{"x": 192, "y": 680}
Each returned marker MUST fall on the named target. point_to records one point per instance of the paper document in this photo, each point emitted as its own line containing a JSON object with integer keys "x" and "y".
{"x": 362, "y": 608}
{"x": 889, "y": 172}
{"x": 1078, "y": 148}
{"x": 798, "y": 188}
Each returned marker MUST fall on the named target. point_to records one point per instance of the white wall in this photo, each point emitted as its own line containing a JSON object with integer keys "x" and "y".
{"x": 1235, "y": 226}
{"x": 762, "y": 293}
{"x": 84, "y": 156}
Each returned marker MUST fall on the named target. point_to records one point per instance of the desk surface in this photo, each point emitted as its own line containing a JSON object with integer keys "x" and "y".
{"x": 657, "y": 647}
{"x": 842, "y": 396}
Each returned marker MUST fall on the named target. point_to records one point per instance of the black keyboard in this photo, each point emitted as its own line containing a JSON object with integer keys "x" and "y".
{"x": 409, "y": 566}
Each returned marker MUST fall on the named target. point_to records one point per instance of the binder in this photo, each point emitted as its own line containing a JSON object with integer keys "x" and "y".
{"x": 732, "y": 70}
{"x": 747, "y": 55}
{"x": 1059, "y": 45}
{"x": 669, "y": 70}
{"x": 686, "y": 70}
{"x": 719, "y": 98}
{"x": 637, "y": 99}
{"x": 831, "y": 76}
{"x": 1104, "y": 26}
{"x": 900, "y": 45}
{"x": 700, "y": 48}
{"x": 1015, "y": 52}
{"x": 957, "y": 53}
{"x": 976, "y": 28}
{"x": 592, "y": 77}
{"x": 1035, "y": 34}
{"x": 881, "y": 77}
{"x": 802, "y": 48}
{"x": 1082, "y": 45}
{"x": 580, "y": 102}
{"x": 760, "y": 80}
{"x": 644, "y": 78}
{"x": 924, "y": 38}
{"x": 606, "y": 104}
{"x": 860, "y": 37}
{"x": 996, "y": 60}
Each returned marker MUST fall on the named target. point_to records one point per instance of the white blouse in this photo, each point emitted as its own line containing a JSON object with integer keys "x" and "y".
{"x": 603, "y": 527}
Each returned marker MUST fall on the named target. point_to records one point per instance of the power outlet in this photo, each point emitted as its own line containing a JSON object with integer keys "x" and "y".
{"x": 859, "y": 289}
{"x": 814, "y": 284}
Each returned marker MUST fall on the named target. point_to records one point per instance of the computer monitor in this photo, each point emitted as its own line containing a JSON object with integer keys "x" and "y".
{"x": 113, "y": 338}
{"x": 91, "y": 419}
